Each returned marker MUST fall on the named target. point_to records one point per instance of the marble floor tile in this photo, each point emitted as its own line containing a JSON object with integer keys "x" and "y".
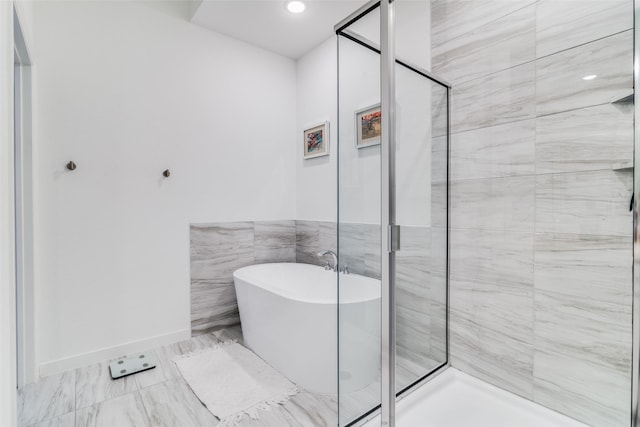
{"x": 560, "y": 85}
{"x": 94, "y": 385}
{"x": 49, "y": 398}
{"x": 493, "y": 203}
{"x": 159, "y": 374}
{"x": 67, "y": 420}
{"x": 496, "y": 46}
{"x": 172, "y": 403}
{"x": 124, "y": 411}
{"x": 595, "y": 202}
{"x": 593, "y": 138}
{"x": 561, "y": 25}
{"x": 312, "y": 410}
{"x": 494, "y": 152}
{"x": 233, "y": 333}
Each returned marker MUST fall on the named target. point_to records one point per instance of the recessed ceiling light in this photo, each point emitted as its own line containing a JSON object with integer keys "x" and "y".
{"x": 589, "y": 77}
{"x": 296, "y": 6}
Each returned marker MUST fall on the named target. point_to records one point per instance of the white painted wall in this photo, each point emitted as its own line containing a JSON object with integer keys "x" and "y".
{"x": 126, "y": 91}
{"x": 7, "y": 244}
{"x": 316, "y": 178}
{"x": 360, "y": 81}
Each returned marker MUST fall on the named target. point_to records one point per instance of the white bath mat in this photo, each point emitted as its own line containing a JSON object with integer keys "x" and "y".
{"x": 232, "y": 382}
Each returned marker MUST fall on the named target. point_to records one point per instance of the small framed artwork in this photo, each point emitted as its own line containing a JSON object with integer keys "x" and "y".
{"x": 368, "y": 126}
{"x": 316, "y": 141}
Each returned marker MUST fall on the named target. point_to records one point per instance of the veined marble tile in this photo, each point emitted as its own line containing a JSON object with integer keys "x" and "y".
{"x": 351, "y": 243}
{"x": 582, "y": 325}
{"x": 438, "y": 330}
{"x": 312, "y": 410}
{"x": 328, "y": 236}
{"x": 594, "y": 138}
{"x": 438, "y": 253}
{"x": 453, "y": 18}
{"x": 413, "y": 336}
{"x": 68, "y": 420}
{"x": 491, "y": 356}
{"x": 307, "y": 237}
{"x": 594, "y": 202}
{"x": 494, "y": 203}
{"x": 49, "y": 398}
{"x": 562, "y": 24}
{"x": 506, "y": 308}
{"x": 496, "y": 46}
{"x": 503, "y": 97}
{"x": 307, "y": 232}
{"x": 172, "y": 403}
{"x": 275, "y": 241}
{"x": 560, "y": 85}
{"x": 372, "y": 253}
{"x": 124, "y": 411}
{"x": 231, "y": 333}
{"x": 492, "y": 256}
{"x": 439, "y": 204}
{"x": 166, "y": 369}
{"x": 439, "y": 110}
{"x": 94, "y": 385}
{"x": 494, "y": 152}
{"x": 596, "y": 395}
{"x": 222, "y": 233}
{"x": 213, "y": 304}
{"x": 584, "y": 264}
{"x": 438, "y": 159}
{"x": 154, "y": 376}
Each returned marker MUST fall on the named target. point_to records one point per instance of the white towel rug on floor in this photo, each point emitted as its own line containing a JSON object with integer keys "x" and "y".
{"x": 232, "y": 382}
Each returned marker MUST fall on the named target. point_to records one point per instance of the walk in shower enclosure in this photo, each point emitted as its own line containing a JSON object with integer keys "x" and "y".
{"x": 392, "y": 211}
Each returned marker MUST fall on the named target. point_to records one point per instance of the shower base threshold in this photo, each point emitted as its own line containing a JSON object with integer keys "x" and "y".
{"x": 455, "y": 399}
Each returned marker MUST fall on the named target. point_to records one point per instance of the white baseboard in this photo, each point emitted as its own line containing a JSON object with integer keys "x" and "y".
{"x": 107, "y": 353}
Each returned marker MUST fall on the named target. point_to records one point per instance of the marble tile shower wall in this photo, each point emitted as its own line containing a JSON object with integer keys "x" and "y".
{"x": 541, "y": 181}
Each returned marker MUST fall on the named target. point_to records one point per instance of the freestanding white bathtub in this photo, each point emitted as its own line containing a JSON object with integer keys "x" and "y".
{"x": 289, "y": 318}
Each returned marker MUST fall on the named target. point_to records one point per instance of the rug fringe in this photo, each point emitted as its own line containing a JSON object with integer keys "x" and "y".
{"x": 254, "y": 411}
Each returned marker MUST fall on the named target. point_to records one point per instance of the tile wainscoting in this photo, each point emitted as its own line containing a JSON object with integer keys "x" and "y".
{"x": 218, "y": 249}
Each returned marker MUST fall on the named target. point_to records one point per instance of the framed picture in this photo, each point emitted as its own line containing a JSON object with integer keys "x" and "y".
{"x": 368, "y": 126}
{"x": 316, "y": 141}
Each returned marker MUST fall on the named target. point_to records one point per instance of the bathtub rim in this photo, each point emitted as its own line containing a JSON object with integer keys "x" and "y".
{"x": 238, "y": 274}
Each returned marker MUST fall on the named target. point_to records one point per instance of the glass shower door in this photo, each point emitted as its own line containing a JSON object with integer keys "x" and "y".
{"x": 392, "y": 323}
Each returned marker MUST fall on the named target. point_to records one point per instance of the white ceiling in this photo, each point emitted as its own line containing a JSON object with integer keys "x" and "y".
{"x": 268, "y": 23}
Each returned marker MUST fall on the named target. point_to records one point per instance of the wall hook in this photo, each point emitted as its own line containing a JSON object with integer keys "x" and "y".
{"x": 166, "y": 173}
{"x": 71, "y": 166}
